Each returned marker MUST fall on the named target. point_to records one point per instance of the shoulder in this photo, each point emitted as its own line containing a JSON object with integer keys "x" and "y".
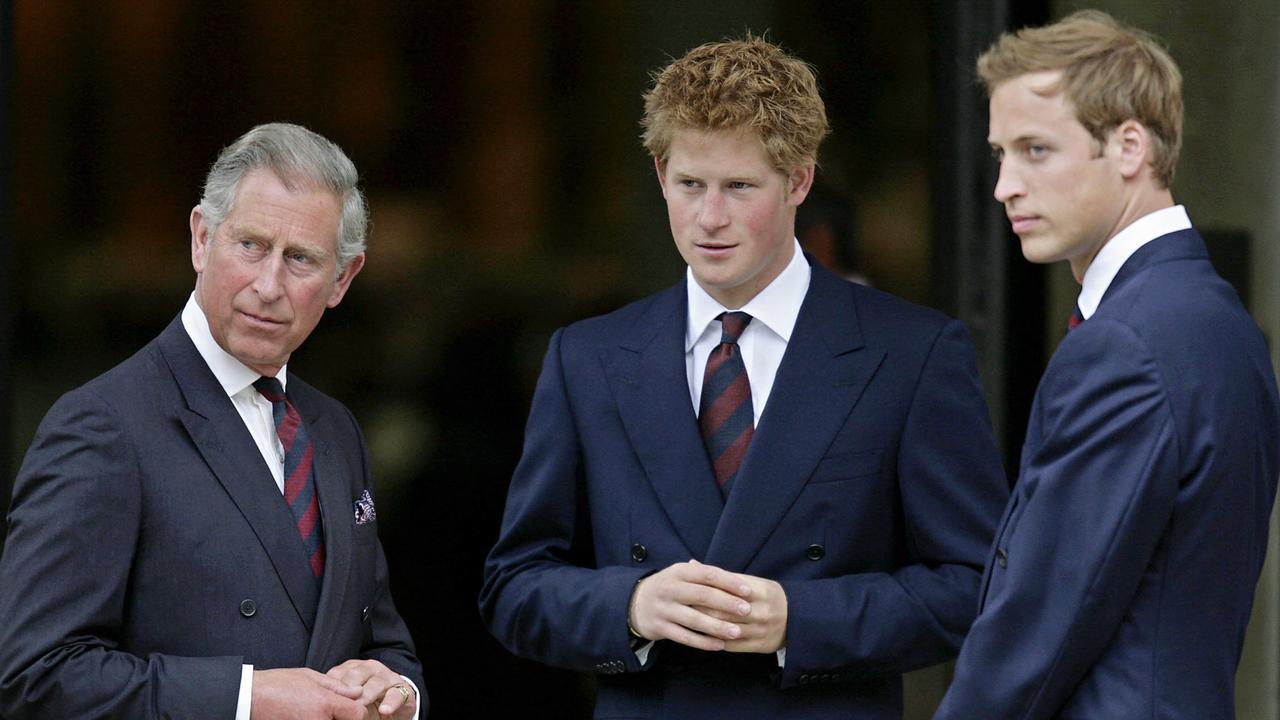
{"x": 128, "y": 386}
{"x": 629, "y": 323}
{"x": 1182, "y": 311}
{"x": 316, "y": 406}
{"x": 881, "y": 319}
{"x": 881, "y": 310}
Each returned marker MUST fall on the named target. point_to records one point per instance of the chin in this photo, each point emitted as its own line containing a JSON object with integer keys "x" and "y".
{"x": 1038, "y": 255}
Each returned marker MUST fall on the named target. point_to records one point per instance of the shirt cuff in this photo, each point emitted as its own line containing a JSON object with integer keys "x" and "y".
{"x": 417, "y": 698}
{"x": 642, "y": 652}
{"x": 246, "y": 693}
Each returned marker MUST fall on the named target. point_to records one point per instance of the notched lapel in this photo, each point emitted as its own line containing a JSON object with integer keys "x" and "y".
{"x": 219, "y": 435}
{"x": 649, "y": 384}
{"x": 823, "y": 373}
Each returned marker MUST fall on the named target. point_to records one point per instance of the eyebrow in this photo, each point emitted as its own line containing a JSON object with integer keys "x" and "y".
{"x": 1020, "y": 140}
{"x": 244, "y": 228}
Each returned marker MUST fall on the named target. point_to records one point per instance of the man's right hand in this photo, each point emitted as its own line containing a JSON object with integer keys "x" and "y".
{"x": 673, "y": 604}
{"x": 303, "y": 694}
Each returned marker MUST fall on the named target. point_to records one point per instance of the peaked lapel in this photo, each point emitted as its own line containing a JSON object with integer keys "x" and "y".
{"x": 822, "y": 374}
{"x": 334, "y": 491}
{"x": 220, "y": 436}
{"x": 651, "y": 388}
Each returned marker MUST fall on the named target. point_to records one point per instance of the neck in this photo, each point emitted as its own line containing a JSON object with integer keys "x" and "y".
{"x": 1137, "y": 206}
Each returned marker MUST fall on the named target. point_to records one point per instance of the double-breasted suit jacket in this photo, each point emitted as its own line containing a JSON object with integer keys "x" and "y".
{"x": 150, "y": 553}
{"x": 870, "y": 491}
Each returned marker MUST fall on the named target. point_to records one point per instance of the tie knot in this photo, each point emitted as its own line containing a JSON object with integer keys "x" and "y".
{"x": 732, "y": 324}
{"x": 270, "y": 388}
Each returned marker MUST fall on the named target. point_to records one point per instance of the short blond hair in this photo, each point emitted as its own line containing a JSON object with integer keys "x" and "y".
{"x": 1111, "y": 72}
{"x": 747, "y": 84}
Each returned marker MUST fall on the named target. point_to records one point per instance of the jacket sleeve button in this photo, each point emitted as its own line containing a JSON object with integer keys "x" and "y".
{"x": 815, "y": 552}
{"x": 1002, "y": 557}
{"x": 639, "y": 553}
{"x": 248, "y": 608}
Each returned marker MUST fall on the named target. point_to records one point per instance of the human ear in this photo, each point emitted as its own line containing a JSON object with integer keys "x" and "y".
{"x": 1134, "y": 142}
{"x": 799, "y": 182}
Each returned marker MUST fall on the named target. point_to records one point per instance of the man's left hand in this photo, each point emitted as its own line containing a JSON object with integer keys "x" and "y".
{"x": 382, "y": 695}
{"x": 764, "y": 629}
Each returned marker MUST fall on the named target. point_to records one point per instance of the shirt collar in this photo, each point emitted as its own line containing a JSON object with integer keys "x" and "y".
{"x": 1112, "y": 256}
{"x": 777, "y": 306}
{"x": 233, "y": 375}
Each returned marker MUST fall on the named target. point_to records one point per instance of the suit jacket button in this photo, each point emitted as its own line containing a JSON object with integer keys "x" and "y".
{"x": 364, "y": 614}
{"x": 639, "y": 553}
{"x": 815, "y": 552}
{"x": 1002, "y": 557}
{"x": 248, "y": 608}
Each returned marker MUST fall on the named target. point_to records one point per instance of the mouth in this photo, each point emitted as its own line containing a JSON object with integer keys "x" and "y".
{"x": 715, "y": 248}
{"x": 261, "y": 321}
{"x": 1023, "y": 223}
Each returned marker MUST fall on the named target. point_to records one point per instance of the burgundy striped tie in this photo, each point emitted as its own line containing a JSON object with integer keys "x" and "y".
{"x": 299, "y": 473}
{"x": 725, "y": 412}
{"x": 1077, "y": 317}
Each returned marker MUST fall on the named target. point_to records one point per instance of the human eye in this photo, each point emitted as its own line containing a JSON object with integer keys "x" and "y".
{"x": 997, "y": 154}
{"x": 1036, "y": 151}
{"x": 690, "y": 183}
{"x": 739, "y": 185}
{"x": 299, "y": 258}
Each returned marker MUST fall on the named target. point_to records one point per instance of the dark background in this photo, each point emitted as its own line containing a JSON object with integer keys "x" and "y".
{"x": 498, "y": 143}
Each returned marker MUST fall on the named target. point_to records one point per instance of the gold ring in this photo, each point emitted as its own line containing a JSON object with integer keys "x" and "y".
{"x": 405, "y": 692}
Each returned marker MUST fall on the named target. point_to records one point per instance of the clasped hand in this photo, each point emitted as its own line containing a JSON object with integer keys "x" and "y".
{"x": 354, "y": 690}
{"x": 709, "y": 608}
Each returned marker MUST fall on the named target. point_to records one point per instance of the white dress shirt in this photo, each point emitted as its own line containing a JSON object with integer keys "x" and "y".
{"x": 237, "y": 381}
{"x": 1112, "y": 256}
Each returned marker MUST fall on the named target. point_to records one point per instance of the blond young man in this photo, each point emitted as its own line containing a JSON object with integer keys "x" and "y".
{"x": 1120, "y": 583}
{"x": 765, "y": 491}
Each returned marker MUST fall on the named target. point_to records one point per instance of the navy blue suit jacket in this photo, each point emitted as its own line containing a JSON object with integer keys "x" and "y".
{"x": 1121, "y": 580}
{"x": 870, "y": 492}
{"x": 150, "y": 552}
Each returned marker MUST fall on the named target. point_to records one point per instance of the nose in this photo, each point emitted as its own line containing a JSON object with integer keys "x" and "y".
{"x": 712, "y": 215}
{"x": 267, "y": 284}
{"x": 1008, "y": 184}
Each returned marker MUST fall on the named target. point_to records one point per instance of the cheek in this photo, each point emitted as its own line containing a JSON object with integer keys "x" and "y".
{"x": 681, "y": 213}
{"x": 761, "y": 218}
{"x": 310, "y": 299}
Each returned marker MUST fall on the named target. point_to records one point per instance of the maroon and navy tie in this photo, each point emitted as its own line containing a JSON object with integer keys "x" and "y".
{"x": 1077, "y": 317}
{"x": 725, "y": 413}
{"x": 299, "y": 472}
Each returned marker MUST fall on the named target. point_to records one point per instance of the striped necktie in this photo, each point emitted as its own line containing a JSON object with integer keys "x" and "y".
{"x": 725, "y": 413}
{"x": 299, "y": 473}
{"x": 1076, "y": 318}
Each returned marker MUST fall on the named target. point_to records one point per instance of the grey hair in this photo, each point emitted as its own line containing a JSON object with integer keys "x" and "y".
{"x": 298, "y": 157}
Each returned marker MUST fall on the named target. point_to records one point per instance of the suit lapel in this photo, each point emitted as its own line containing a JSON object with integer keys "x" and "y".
{"x": 822, "y": 374}
{"x": 333, "y": 489}
{"x": 220, "y": 436}
{"x": 650, "y": 386}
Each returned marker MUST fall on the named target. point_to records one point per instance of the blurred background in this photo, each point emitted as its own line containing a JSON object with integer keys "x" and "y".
{"x": 498, "y": 142}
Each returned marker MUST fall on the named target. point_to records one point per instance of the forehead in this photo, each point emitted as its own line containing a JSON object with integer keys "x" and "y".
{"x": 1031, "y": 105}
{"x": 740, "y": 148}
{"x": 264, "y": 205}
